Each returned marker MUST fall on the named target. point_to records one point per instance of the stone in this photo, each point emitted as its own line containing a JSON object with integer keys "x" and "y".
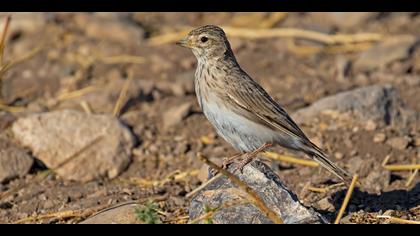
{"x": 124, "y": 214}
{"x": 14, "y": 161}
{"x": 390, "y": 50}
{"x": 377, "y": 103}
{"x": 325, "y": 205}
{"x": 76, "y": 145}
{"x": 370, "y": 125}
{"x": 235, "y": 209}
{"x": 176, "y": 114}
{"x": 379, "y": 138}
{"x": 400, "y": 143}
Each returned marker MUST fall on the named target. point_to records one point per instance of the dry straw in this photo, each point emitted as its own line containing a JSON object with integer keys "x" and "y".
{"x": 346, "y": 199}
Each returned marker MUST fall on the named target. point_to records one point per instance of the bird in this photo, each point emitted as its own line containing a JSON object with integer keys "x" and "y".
{"x": 240, "y": 109}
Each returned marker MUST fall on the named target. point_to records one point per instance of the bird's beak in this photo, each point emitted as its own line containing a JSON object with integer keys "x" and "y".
{"x": 184, "y": 43}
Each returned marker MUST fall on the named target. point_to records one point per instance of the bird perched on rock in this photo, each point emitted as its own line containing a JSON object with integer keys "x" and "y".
{"x": 239, "y": 108}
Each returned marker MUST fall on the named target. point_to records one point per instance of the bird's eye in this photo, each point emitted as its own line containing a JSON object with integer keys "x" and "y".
{"x": 204, "y": 39}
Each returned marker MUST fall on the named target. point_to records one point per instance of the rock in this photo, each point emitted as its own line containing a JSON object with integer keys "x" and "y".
{"x": 338, "y": 155}
{"x": 370, "y": 125}
{"x": 377, "y": 103}
{"x": 124, "y": 214}
{"x": 390, "y": 50}
{"x": 76, "y": 145}
{"x": 14, "y": 161}
{"x": 269, "y": 188}
{"x": 399, "y": 143}
{"x": 176, "y": 114}
{"x": 379, "y": 138}
{"x": 325, "y": 205}
{"x": 116, "y": 29}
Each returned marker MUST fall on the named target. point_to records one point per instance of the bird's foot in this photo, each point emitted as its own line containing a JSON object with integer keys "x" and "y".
{"x": 248, "y": 157}
{"x": 229, "y": 160}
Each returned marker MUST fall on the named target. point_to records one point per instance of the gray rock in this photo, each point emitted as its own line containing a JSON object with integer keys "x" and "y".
{"x": 377, "y": 103}
{"x": 222, "y": 193}
{"x": 390, "y": 50}
{"x": 399, "y": 143}
{"x": 176, "y": 114}
{"x": 14, "y": 161}
{"x": 77, "y": 146}
{"x": 124, "y": 214}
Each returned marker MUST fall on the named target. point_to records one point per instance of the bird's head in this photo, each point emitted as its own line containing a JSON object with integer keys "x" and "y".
{"x": 206, "y": 42}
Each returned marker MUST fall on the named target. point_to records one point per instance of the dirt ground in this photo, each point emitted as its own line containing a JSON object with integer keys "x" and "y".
{"x": 78, "y": 50}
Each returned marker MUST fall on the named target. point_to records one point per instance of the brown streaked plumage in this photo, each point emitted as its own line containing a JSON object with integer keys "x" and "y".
{"x": 242, "y": 112}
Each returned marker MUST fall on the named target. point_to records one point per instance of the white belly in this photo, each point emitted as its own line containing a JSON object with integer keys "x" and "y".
{"x": 241, "y": 133}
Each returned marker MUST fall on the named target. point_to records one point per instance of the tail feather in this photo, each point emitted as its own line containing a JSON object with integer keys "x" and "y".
{"x": 319, "y": 156}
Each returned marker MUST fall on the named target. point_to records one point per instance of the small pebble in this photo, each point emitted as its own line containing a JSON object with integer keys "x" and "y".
{"x": 338, "y": 155}
{"x": 370, "y": 125}
{"x": 379, "y": 138}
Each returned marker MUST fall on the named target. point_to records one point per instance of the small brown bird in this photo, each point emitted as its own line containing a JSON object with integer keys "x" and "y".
{"x": 238, "y": 107}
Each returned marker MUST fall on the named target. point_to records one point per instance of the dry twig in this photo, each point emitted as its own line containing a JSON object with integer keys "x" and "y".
{"x": 123, "y": 95}
{"x": 291, "y": 159}
{"x": 394, "y": 220}
{"x": 346, "y": 199}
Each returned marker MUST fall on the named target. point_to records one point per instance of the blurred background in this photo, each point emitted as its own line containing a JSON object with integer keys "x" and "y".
{"x": 97, "y": 109}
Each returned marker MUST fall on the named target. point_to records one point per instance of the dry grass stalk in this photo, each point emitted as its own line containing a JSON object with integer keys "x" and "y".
{"x": 346, "y": 199}
{"x": 11, "y": 109}
{"x": 402, "y": 167}
{"x": 411, "y": 178}
{"x": 77, "y": 93}
{"x": 4, "y": 68}
{"x": 385, "y": 161}
{"x": 394, "y": 220}
{"x": 326, "y": 189}
{"x": 61, "y": 215}
{"x": 290, "y": 159}
{"x": 252, "y": 195}
{"x": 86, "y": 107}
{"x": 329, "y": 49}
{"x": 202, "y": 186}
{"x": 276, "y": 33}
{"x": 123, "y": 95}
{"x": 174, "y": 176}
{"x": 399, "y": 167}
{"x": 3, "y": 38}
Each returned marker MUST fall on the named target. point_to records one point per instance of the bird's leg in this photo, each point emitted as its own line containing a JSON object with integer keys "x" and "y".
{"x": 248, "y": 157}
{"x": 226, "y": 162}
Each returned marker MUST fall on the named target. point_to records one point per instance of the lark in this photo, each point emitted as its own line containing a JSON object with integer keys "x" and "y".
{"x": 241, "y": 111}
